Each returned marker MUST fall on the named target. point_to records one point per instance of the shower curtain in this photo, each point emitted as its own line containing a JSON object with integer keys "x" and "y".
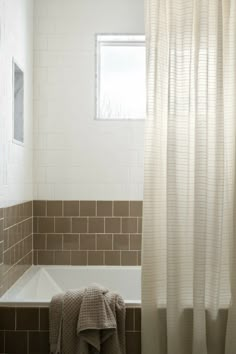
{"x": 189, "y": 239}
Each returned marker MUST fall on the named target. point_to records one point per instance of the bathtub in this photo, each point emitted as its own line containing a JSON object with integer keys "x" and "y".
{"x": 39, "y": 283}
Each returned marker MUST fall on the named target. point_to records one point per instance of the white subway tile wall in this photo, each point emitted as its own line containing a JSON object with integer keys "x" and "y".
{"x": 77, "y": 157}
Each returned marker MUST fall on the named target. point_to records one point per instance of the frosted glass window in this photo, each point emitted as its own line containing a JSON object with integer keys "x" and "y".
{"x": 18, "y": 104}
{"x": 121, "y": 77}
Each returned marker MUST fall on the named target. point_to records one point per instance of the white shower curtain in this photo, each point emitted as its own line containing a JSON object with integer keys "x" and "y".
{"x": 189, "y": 239}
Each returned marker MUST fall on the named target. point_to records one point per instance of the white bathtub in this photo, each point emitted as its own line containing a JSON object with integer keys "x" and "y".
{"x": 37, "y": 286}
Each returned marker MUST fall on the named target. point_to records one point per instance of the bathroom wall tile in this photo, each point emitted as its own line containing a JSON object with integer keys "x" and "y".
{"x": 2, "y": 344}
{"x": 139, "y": 258}
{"x": 39, "y": 342}
{"x": 112, "y": 225}
{"x": 121, "y": 208}
{"x": 27, "y": 318}
{"x": 71, "y": 208}
{"x": 45, "y": 225}
{"x": 44, "y": 319}
{"x": 104, "y": 208}
{"x": 112, "y": 257}
{"x": 104, "y": 242}
{"x": 71, "y": 241}
{"x": 135, "y": 242}
{"x": 87, "y": 208}
{"x": 129, "y": 258}
{"x": 79, "y": 225}
{"x": 7, "y": 316}
{"x": 96, "y": 225}
{"x": 35, "y": 224}
{"x": 121, "y": 241}
{"x": 39, "y": 241}
{"x": 87, "y": 242}
{"x": 63, "y": 225}
{"x": 1, "y": 231}
{"x": 54, "y": 241}
{"x": 133, "y": 342}
{"x": 136, "y": 208}
{"x": 39, "y": 208}
{"x": 129, "y": 319}
{"x": 140, "y": 225}
{"x": 45, "y": 257}
{"x": 16, "y": 342}
{"x": 129, "y": 225}
{"x": 62, "y": 257}
{"x": 79, "y": 258}
{"x": 137, "y": 312}
{"x": 95, "y": 258}
{"x": 54, "y": 208}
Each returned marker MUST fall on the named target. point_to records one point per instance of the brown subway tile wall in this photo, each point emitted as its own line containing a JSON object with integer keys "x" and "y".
{"x": 109, "y": 231}
{"x": 26, "y": 330}
{"x": 16, "y": 242}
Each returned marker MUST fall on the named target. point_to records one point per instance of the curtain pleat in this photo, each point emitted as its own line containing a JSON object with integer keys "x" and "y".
{"x": 189, "y": 246}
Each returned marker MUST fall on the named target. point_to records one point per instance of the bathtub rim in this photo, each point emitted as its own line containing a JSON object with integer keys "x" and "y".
{"x": 4, "y": 302}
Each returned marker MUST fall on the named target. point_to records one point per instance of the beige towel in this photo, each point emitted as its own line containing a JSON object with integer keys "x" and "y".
{"x": 55, "y": 323}
{"x": 93, "y": 322}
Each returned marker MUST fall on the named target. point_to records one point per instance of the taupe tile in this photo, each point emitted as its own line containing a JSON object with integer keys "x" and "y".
{"x": 138, "y": 319}
{"x": 129, "y": 225}
{"x": 112, "y": 257}
{"x": 39, "y": 241}
{"x": 62, "y": 257}
{"x": 136, "y": 208}
{"x": 44, "y": 319}
{"x": 121, "y": 208}
{"x": 87, "y": 242}
{"x": 28, "y": 209}
{"x": 46, "y": 257}
{"x": 7, "y": 316}
{"x": 96, "y": 225}
{"x": 140, "y": 225}
{"x": 1, "y": 230}
{"x": 121, "y": 241}
{"x": 112, "y": 225}
{"x": 139, "y": 258}
{"x": 71, "y": 241}
{"x": 54, "y": 208}
{"x": 63, "y": 225}
{"x": 35, "y": 224}
{"x": 129, "y": 258}
{"x": 16, "y": 342}
{"x": 79, "y": 258}
{"x": 39, "y": 342}
{"x": 71, "y": 208}
{"x": 87, "y": 208}
{"x": 104, "y": 241}
{"x": 135, "y": 242}
{"x": 39, "y": 208}
{"x": 79, "y": 225}
{"x": 133, "y": 342}
{"x": 45, "y": 225}
{"x": 95, "y": 258}
{"x": 104, "y": 208}
{"x": 129, "y": 320}
{"x": 27, "y": 319}
{"x": 54, "y": 241}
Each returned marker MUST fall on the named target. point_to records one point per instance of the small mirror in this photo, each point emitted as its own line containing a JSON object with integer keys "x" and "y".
{"x": 18, "y": 104}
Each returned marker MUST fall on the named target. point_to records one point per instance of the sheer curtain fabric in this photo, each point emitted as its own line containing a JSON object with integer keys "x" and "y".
{"x": 189, "y": 250}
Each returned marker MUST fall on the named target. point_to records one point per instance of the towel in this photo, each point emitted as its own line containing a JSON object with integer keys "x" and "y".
{"x": 92, "y": 321}
{"x": 55, "y": 323}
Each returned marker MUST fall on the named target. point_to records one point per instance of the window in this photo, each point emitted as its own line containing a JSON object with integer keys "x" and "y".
{"x": 18, "y": 104}
{"x": 121, "y": 77}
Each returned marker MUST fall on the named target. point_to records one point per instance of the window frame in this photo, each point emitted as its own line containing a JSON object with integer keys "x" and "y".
{"x": 98, "y": 72}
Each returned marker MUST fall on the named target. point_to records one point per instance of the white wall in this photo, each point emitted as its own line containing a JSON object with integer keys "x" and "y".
{"x": 75, "y": 156}
{"x": 16, "y": 40}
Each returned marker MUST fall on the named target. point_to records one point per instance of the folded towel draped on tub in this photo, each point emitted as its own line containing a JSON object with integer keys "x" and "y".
{"x": 86, "y": 321}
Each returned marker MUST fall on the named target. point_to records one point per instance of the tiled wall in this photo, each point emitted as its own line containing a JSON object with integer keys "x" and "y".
{"x": 75, "y": 156}
{"x": 26, "y": 331}
{"x": 87, "y": 232}
{"x": 16, "y": 242}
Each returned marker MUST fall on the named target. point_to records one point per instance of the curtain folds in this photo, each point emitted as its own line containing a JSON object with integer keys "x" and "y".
{"x": 189, "y": 239}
